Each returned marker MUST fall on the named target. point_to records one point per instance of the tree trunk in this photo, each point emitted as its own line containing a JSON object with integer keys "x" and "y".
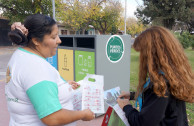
{"x": 83, "y": 31}
{"x": 103, "y": 31}
{"x": 168, "y": 23}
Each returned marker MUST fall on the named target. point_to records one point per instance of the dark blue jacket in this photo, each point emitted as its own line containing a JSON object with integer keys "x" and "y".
{"x": 157, "y": 111}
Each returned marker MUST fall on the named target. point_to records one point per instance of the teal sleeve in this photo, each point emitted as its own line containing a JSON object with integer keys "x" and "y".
{"x": 44, "y": 97}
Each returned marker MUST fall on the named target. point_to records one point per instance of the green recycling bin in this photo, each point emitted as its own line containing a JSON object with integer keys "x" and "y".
{"x": 84, "y": 64}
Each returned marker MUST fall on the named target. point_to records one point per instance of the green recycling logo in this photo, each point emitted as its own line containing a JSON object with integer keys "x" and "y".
{"x": 115, "y": 49}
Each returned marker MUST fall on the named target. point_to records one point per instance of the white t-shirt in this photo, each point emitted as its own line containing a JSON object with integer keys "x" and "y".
{"x": 34, "y": 89}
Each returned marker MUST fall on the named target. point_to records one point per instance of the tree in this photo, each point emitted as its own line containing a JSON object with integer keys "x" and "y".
{"x": 134, "y": 26}
{"x": 79, "y": 14}
{"x": 108, "y": 19}
{"x": 121, "y": 23}
{"x": 71, "y": 13}
{"x": 190, "y": 23}
{"x": 17, "y": 10}
{"x": 166, "y": 11}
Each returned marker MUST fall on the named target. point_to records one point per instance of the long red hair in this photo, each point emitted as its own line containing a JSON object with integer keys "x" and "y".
{"x": 161, "y": 51}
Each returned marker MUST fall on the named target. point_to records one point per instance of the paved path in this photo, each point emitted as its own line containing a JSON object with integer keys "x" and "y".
{"x": 4, "y": 115}
{"x": 5, "y": 54}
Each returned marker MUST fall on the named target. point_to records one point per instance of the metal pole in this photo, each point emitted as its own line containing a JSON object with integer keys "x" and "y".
{"x": 53, "y": 3}
{"x": 125, "y": 14}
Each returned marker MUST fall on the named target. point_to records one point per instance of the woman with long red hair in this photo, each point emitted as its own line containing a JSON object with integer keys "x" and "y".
{"x": 166, "y": 81}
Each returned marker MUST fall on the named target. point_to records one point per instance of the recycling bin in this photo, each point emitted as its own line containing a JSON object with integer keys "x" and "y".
{"x": 84, "y": 56}
{"x": 107, "y": 55}
{"x": 66, "y": 58}
{"x": 53, "y": 61}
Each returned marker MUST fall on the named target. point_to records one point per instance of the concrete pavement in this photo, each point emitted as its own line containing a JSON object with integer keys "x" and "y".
{"x": 5, "y": 54}
{"x": 4, "y": 115}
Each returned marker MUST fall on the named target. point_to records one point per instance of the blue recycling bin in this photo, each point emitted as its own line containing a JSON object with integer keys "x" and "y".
{"x": 53, "y": 61}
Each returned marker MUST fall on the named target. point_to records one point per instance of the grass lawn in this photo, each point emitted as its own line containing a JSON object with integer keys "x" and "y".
{"x": 134, "y": 78}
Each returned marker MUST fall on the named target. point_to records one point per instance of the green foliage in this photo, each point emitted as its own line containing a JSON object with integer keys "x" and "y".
{"x": 75, "y": 14}
{"x": 78, "y": 15}
{"x": 192, "y": 41}
{"x": 190, "y": 106}
{"x": 186, "y": 39}
{"x": 114, "y": 30}
{"x": 134, "y": 70}
{"x": 165, "y": 11}
{"x": 17, "y": 10}
{"x": 72, "y": 14}
{"x": 108, "y": 19}
{"x": 135, "y": 28}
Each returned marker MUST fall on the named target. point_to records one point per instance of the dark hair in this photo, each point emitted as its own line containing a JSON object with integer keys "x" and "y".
{"x": 38, "y": 25}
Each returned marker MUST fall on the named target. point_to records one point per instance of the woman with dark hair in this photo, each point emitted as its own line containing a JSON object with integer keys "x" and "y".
{"x": 166, "y": 81}
{"x": 36, "y": 94}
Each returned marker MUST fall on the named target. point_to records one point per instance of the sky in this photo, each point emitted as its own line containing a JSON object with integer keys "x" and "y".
{"x": 1, "y": 11}
{"x": 131, "y": 6}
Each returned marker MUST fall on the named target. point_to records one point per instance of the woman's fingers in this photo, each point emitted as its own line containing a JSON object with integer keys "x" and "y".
{"x": 19, "y": 26}
{"x": 122, "y": 102}
{"x": 124, "y": 95}
{"x": 88, "y": 115}
{"x": 14, "y": 25}
{"x": 74, "y": 84}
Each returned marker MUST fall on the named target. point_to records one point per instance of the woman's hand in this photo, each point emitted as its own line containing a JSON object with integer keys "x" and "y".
{"x": 125, "y": 95}
{"x": 123, "y": 102}
{"x": 88, "y": 115}
{"x": 19, "y": 26}
{"x": 74, "y": 84}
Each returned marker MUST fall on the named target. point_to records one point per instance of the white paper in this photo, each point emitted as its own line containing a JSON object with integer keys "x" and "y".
{"x": 77, "y": 97}
{"x": 90, "y": 94}
{"x": 110, "y": 97}
{"x": 121, "y": 114}
{"x": 93, "y": 93}
{"x": 92, "y": 98}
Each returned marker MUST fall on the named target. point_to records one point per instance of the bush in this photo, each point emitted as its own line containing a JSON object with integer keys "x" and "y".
{"x": 192, "y": 41}
{"x": 185, "y": 39}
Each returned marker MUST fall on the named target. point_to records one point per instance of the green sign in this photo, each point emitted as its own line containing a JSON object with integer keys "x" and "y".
{"x": 114, "y": 49}
{"x": 84, "y": 64}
